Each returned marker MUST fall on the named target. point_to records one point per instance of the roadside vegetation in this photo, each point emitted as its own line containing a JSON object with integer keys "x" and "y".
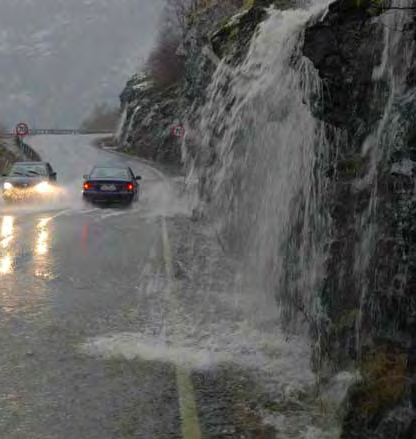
{"x": 166, "y": 63}
{"x": 6, "y": 157}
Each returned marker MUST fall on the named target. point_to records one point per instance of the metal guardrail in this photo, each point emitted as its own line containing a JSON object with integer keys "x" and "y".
{"x": 26, "y": 151}
{"x": 37, "y": 132}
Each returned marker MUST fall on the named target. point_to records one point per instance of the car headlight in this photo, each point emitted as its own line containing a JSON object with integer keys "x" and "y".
{"x": 43, "y": 187}
{"x": 7, "y": 186}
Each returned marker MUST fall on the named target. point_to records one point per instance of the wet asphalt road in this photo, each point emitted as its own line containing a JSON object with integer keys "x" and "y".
{"x": 77, "y": 281}
{"x": 130, "y": 323}
{"x": 68, "y": 272}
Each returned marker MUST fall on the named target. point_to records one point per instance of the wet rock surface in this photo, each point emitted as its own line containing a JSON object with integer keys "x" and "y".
{"x": 151, "y": 112}
{"x": 339, "y": 48}
{"x": 356, "y": 103}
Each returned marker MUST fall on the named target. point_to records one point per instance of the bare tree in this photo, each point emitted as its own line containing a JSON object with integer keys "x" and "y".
{"x": 177, "y": 13}
{"x": 165, "y": 66}
{"x": 103, "y": 117}
{"x": 3, "y": 130}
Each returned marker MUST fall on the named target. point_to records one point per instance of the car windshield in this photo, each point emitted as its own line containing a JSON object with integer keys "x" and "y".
{"x": 110, "y": 173}
{"x": 28, "y": 170}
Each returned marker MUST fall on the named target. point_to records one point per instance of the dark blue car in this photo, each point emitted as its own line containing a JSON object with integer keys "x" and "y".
{"x": 111, "y": 184}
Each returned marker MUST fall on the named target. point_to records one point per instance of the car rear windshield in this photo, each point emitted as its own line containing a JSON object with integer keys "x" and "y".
{"x": 28, "y": 170}
{"x": 110, "y": 173}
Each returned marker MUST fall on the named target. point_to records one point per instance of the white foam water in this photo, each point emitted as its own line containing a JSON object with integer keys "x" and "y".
{"x": 121, "y": 123}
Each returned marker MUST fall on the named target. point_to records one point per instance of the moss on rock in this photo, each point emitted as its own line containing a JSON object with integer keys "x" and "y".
{"x": 384, "y": 380}
{"x": 382, "y": 389}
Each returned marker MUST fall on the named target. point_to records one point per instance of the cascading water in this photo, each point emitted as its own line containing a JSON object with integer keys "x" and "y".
{"x": 259, "y": 162}
{"x": 261, "y": 166}
{"x": 131, "y": 121}
{"x": 120, "y": 126}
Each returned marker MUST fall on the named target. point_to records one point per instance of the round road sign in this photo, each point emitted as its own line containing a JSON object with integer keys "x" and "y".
{"x": 178, "y": 130}
{"x": 22, "y": 129}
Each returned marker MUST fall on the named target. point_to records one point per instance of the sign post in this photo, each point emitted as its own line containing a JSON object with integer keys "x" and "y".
{"x": 22, "y": 130}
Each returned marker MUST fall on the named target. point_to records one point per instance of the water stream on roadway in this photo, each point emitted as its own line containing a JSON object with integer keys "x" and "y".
{"x": 259, "y": 128}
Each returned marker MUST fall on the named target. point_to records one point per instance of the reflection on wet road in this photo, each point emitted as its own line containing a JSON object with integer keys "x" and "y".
{"x": 6, "y": 264}
{"x": 69, "y": 271}
{"x": 42, "y": 237}
{"x": 24, "y": 247}
{"x": 11, "y": 244}
{"x": 104, "y": 334}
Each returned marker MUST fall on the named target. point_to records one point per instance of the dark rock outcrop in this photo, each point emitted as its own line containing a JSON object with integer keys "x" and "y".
{"x": 370, "y": 291}
{"x": 151, "y": 111}
{"x": 340, "y": 49}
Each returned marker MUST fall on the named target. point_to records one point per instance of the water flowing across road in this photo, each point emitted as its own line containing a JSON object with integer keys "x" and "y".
{"x": 124, "y": 323}
{"x": 132, "y": 323}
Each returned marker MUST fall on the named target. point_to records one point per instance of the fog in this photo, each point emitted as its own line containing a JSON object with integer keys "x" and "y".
{"x": 60, "y": 57}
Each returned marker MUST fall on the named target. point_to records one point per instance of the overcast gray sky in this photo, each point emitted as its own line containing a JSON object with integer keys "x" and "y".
{"x": 60, "y": 57}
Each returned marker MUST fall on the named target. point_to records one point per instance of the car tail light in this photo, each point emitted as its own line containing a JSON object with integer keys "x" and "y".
{"x": 130, "y": 187}
{"x": 87, "y": 186}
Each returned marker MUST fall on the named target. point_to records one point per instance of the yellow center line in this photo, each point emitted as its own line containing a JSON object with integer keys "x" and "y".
{"x": 187, "y": 403}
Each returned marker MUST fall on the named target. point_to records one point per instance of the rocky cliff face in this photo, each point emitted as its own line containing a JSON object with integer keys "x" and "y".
{"x": 151, "y": 110}
{"x": 362, "y": 162}
{"x": 366, "y": 62}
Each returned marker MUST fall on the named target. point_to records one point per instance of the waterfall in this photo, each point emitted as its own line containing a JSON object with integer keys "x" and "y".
{"x": 258, "y": 164}
{"x": 131, "y": 121}
{"x": 121, "y": 123}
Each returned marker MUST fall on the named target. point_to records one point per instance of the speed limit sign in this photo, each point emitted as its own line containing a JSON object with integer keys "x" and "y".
{"x": 178, "y": 130}
{"x": 22, "y": 129}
